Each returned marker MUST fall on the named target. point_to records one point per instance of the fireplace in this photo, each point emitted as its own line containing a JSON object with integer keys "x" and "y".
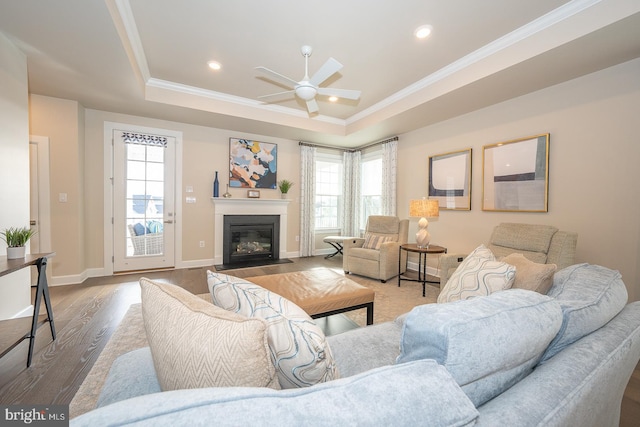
{"x": 246, "y": 206}
{"x": 250, "y": 238}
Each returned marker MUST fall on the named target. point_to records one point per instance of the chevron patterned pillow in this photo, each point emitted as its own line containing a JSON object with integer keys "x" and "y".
{"x": 195, "y": 344}
{"x": 299, "y": 350}
{"x": 478, "y": 275}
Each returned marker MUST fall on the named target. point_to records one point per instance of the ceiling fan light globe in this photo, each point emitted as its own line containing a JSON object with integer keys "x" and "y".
{"x": 306, "y": 92}
{"x": 306, "y": 50}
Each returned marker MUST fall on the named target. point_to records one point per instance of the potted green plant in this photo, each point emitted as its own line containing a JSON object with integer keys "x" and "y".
{"x": 16, "y": 239}
{"x": 284, "y": 185}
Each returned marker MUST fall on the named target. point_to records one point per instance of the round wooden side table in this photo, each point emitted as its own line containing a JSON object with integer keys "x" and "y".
{"x": 422, "y": 262}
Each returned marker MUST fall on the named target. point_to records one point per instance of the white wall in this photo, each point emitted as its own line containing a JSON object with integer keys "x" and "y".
{"x": 593, "y": 171}
{"x": 62, "y": 121}
{"x": 14, "y": 171}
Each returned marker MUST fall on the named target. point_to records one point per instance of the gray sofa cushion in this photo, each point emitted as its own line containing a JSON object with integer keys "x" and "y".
{"x": 581, "y": 386}
{"x": 486, "y": 343}
{"x": 590, "y": 296}
{"x": 361, "y": 349}
{"x": 380, "y": 397}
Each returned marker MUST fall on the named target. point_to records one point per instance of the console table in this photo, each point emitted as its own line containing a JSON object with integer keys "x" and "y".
{"x": 8, "y": 266}
{"x": 422, "y": 262}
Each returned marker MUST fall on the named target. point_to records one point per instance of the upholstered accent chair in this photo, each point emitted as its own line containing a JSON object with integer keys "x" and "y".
{"x": 377, "y": 254}
{"x": 543, "y": 244}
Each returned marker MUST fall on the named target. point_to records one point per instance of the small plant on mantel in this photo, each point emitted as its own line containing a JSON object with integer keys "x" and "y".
{"x": 285, "y": 185}
{"x": 16, "y": 240}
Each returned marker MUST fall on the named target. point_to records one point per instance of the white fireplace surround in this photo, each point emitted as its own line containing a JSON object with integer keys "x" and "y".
{"x": 248, "y": 207}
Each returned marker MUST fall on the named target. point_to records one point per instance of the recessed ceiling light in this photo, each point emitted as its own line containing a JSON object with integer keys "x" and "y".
{"x": 214, "y": 65}
{"x": 333, "y": 98}
{"x": 423, "y": 31}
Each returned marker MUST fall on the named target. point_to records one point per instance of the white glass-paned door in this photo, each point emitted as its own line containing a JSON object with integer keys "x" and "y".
{"x": 143, "y": 201}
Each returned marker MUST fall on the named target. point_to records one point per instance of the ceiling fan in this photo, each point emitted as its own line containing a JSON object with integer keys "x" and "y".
{"x": 307, "y": 88}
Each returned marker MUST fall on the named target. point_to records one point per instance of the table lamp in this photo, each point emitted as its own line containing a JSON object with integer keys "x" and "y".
{"x": 423, "y": 208}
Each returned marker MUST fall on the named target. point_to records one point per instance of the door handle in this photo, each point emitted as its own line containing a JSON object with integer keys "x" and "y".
{"x": 32, "y": 222}
{"x": 168, "y": 221}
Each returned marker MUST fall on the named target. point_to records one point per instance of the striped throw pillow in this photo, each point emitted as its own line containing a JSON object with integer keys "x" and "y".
{"x": 374, "y": 241}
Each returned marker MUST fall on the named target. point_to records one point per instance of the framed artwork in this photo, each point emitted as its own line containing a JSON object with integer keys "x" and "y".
{"x": 516, "y": 175}
{"x": 450, "y": 179}
{"x": 252, "y": 164}
{"x": 253, "y": 194}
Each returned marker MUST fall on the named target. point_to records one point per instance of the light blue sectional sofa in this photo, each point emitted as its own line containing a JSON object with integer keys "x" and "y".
{"x": 513, "y": 358}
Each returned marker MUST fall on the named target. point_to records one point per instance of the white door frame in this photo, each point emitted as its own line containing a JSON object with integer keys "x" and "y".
{"x": 109, "y": 128}
{"x": 43, "y": 186}
{"x": 44, "y": 191}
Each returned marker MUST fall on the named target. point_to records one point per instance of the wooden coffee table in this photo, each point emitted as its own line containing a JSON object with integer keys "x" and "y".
{"x": 320, "y": 293}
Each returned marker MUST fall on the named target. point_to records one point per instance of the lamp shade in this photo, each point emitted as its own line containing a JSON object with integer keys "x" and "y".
{"x": 424, "y": 208}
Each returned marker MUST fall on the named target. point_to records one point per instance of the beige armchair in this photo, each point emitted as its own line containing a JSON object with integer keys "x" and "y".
{"x": 543, "y": 244}
{"x": 377, "y": 254}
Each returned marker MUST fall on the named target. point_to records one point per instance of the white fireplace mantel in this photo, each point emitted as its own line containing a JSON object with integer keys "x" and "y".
{"x": 233, "y": 206}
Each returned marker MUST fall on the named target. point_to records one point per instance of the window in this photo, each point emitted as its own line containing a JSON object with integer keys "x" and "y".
{"x": 328, "y": 192}
{"x": 371, "y": 195}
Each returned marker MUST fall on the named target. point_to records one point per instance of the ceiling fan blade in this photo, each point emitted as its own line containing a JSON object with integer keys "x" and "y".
{"x": 274, "y": 97}
{"x": 277, "y": 77}
{"x": 340, "y": 93}
{"x": 312, "y": 106}
{"x": 327, "y": 70}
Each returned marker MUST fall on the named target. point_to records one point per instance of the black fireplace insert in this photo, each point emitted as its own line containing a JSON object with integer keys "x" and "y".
{"x": 250, "y": 238}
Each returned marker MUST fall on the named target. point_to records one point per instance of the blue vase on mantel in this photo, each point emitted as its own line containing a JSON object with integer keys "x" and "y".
{"x": 216, "y": 186}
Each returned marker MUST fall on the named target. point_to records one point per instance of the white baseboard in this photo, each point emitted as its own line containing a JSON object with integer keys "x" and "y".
{"x": 413, "y": 266}
{"x": 198, "y": 263}
{"x": 25, "y": 312}
{"x": 325, "y": 252}
{"x": 68, "y": 280}
{"x": 100, "y": 272}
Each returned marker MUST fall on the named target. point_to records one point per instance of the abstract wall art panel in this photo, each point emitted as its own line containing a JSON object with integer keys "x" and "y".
{"x": 450, "y": 179}
{"x": 252, "y": 164}
{"x": 516, "y": 175}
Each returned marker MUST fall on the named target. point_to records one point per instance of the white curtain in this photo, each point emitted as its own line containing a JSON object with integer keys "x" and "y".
{"x": 307, "y": 200}
{"x": 389, "y": 174}
{"x": 351, "y": 190}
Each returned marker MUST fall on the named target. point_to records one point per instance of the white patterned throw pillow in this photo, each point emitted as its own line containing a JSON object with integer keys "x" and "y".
{"x": 478, "y": 275}
{"x": 299, "y": 350}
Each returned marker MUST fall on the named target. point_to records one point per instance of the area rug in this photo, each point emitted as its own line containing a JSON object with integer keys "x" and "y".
{"x": 129, "y": 336}
{"x": 390, "y": 301}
